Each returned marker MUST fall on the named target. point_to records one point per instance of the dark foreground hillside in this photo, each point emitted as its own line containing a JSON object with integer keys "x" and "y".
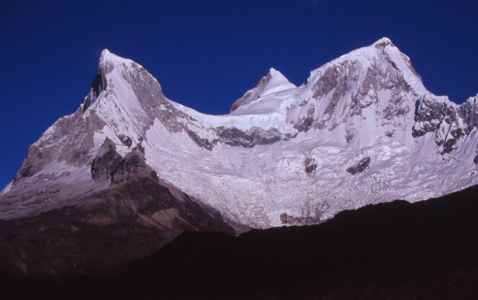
{"x": 426, "y": 250}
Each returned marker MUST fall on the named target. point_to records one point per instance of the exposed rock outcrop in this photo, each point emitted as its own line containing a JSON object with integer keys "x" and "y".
{"x": 360, "y": 166}
{"x": 106, "y": 232}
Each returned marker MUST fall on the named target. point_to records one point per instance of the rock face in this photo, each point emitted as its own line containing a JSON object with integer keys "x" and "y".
{"x": 106, "y": 232}
{"x": 360, "y": 167}
{"x": 362, "y": 130}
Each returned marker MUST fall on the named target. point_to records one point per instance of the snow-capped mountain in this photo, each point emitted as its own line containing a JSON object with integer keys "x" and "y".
{"x": 363, "y": 129}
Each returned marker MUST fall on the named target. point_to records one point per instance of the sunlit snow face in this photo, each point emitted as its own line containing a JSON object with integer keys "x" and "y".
{"x": 341, "y": 141}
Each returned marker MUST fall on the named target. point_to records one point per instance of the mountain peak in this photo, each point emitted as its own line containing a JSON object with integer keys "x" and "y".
{"x": 106, "y": 56}
{"x": 383, "y": 42}
{"x": 105, "y": 52}
{"x": 381, "y": 60}
{"x": 273, "y": 82}
{"x": 108, "y": 60}
{"x": 274, "y": 72}
{"x": 273, "y": 79}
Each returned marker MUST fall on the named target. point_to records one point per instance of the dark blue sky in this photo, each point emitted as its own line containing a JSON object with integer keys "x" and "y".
{"x": 207, "y": 53}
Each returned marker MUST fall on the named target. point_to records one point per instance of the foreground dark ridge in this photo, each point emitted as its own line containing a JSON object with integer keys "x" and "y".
{"x": 426, "y": 250}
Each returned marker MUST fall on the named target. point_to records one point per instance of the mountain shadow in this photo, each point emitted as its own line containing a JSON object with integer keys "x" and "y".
{"x": 397, "y": 250}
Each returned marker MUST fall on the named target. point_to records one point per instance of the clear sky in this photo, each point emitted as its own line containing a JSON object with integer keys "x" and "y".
{"x": 208, "y": 53}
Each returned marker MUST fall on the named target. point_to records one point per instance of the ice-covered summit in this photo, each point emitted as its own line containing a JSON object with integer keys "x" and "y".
{"x": 378, "y": 57}
{"x": 108, "y": 58}
{"x": 273, "y": 82}
{"x": 363, "y": 129}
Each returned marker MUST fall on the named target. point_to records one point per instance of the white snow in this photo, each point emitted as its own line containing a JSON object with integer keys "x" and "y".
{"x": 7, "y": 188}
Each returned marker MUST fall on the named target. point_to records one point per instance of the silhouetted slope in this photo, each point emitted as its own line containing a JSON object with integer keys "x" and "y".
{"x": 108, "y": 231}
{"x": 426, "y": 250}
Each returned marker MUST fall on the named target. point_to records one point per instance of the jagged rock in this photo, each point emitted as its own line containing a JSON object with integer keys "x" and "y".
{"x": 105, "y": 161}
{"x": 132, "y": 163}
{"x": 126, "y": 140}
{"x": 203, "y": 143}
{"x": 256, "y": 136}
{"x": 99, "y": 84}
{"x": 360, "y": 167}
{"x": 310, "y": 166}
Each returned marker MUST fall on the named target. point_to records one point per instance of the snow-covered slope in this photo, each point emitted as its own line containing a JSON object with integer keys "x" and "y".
{"x": 363, "y": 129}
